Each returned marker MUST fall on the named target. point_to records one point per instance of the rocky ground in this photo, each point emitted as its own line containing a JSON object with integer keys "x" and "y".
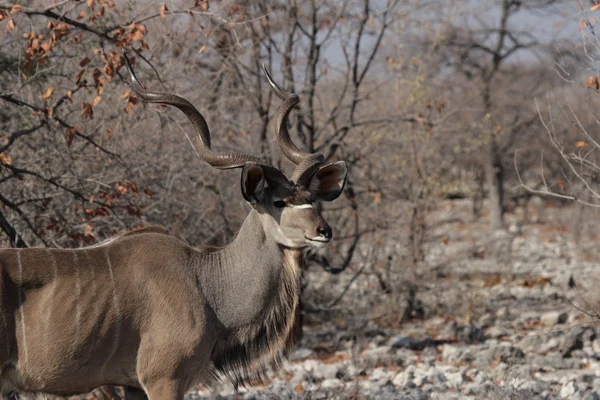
{"x": 506, "y": 316}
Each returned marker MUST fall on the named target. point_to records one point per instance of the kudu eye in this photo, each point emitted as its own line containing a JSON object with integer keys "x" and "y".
{"x": 279, "y": 203}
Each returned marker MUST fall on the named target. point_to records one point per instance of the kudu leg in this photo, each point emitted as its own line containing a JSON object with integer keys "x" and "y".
{"x": 165, "y": 390}
{"x": 135, "y": 394}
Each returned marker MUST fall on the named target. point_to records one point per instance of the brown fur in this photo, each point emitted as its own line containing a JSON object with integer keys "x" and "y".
{"x": 84, "y": 311}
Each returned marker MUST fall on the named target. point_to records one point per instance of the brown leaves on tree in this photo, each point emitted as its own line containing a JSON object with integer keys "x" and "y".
{"x": 137, "y": 32}
{"x": 59, "y": 30}
{"x": 79, "y": 76}
{"x": 40, "y": 45}
{"x": 5, "y": 159}
{"x": 131, "y": 101}
{"x": 163, "y": 9}
{"x": 70, "y": 136}
{"x": 48, "y": 93}
{"x": 595, "y": 6}
{"x": 99, "y": 81}
{"x": 581, "y": 144}
{"x": 87, "y": 111}
{"x": 133, "y": 33}
{"x": 593, "y": 82}
{"x": 203, "y": 2}
{"x": 562, "y": 185}
{"x": 11, "y": 25}
{"x": 112, "y": 63}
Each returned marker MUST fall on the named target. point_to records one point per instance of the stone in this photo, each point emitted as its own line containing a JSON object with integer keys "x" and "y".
{"x": 381, "y": 374}
{"x": 592, "y": 396}
{"x": 331, "y": 384}
{"x": 497, "y": 332}
{"x": 403, "y": 378}
{"x": 568, "y": 390}
{"x": 554, "y": 318}
{"x": 469, "y": 334}
{"x": 413, "y": 344}
{"x": 504, "y": 353}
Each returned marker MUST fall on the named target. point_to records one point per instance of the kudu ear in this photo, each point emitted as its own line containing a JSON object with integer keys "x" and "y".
{"x": 327, "y": 183}
{"x": 253, "y": 182}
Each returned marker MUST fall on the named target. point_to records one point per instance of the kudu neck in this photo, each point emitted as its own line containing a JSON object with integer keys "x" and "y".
{"x": 245, "y": 278}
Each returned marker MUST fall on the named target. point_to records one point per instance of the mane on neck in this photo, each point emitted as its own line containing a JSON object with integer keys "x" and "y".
{"x": 249, "y": 351}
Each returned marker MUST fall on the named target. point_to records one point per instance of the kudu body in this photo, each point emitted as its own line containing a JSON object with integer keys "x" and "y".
{"x": 150, "y": 313}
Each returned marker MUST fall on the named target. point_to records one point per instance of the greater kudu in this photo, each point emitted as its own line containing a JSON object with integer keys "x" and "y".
{"x": 148, "y": 312}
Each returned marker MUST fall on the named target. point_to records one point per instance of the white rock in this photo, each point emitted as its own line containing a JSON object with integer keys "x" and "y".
{"x": 381, "y": 374}
{"x": 402, "y": 378}
{"x": 553, "y": 318}
{"x": 331, "y": 384}
{"x": 568, "y": 390}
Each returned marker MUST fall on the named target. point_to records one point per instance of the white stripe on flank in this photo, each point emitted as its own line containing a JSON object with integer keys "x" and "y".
{"x": 78, "y": 293}
{"x": 20, "y": 299}
{"x": 302, "y": 206}
{"x": 50, "y": 300}
{"x": 5, "y": 326}
{"x": 115, "y": 342}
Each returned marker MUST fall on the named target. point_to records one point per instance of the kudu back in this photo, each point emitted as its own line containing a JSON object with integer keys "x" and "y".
{"x": 148, "y": 312}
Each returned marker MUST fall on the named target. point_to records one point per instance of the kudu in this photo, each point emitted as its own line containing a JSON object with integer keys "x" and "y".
{"x": 150, "y": 313}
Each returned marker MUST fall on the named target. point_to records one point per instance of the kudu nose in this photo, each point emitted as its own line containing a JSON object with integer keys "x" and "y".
{"x": 325, "y": 231}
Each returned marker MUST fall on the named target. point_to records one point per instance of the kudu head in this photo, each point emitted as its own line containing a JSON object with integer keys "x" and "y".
{"x": 286, "y": 206}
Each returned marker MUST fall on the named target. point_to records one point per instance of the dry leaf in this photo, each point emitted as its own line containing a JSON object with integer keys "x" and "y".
{"x": 562, "y": 185}
{"x": 84, "y": 62}
{"x": 5, "y": 159}
{"x": 581, "y": 144}
{"x": 87, "y": 111}
{"x": 583, "y": 24}
{"x": 79, "y": 76}
{"x": 377, "y": 198}
{"x": 595, "y": 7}
{"x": 70, "y": 135}
{"x": 163, "y": 9}
{"x": 88, "y": 230}
{"x": 202, "y": 49}
{"x": 96, "y": 100}
{"x": 48, "y": 93}
{"x": 496, "y": 280}
{"x": 593, "y": 81}
{"x": 129, "y": 108}
{"x": 11, "y": 25}
{"x": 16, "y": 8}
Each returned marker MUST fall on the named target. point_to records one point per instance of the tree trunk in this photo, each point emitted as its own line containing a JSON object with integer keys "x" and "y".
{"x": 495, "y": 177}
